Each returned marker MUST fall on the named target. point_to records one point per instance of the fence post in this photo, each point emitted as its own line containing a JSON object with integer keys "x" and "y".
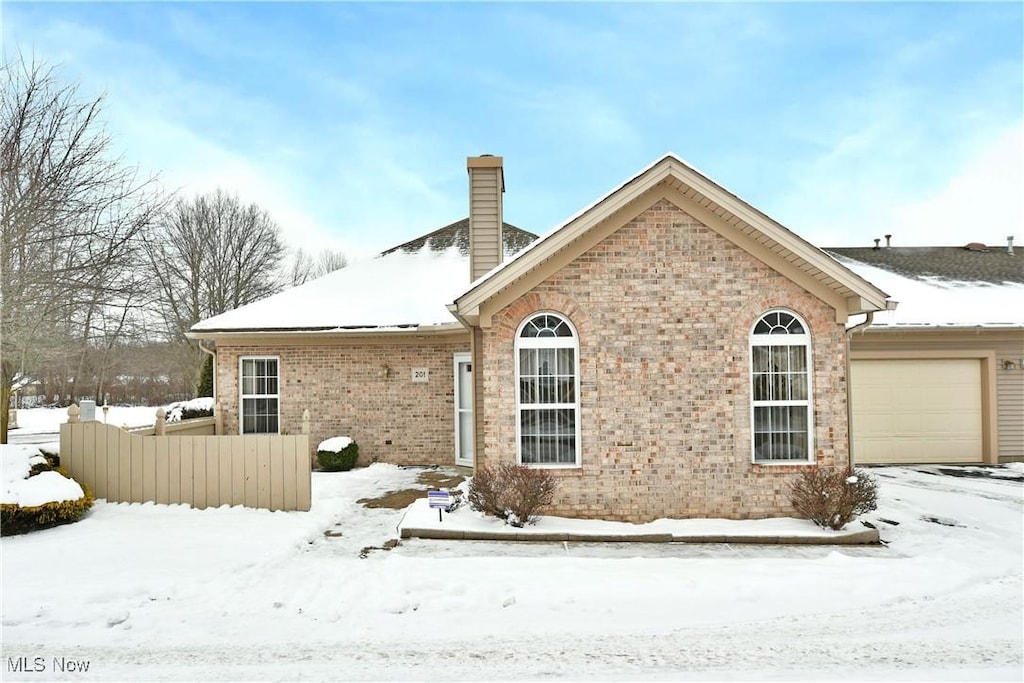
{"x": 161, "y": 422}
{"x": 306, "y": 430}
{"x": 73, "y": 412}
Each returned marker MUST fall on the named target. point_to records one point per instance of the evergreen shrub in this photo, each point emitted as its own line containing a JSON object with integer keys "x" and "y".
{"x": 15, "y": 519}
{"x": 340, "y": 460}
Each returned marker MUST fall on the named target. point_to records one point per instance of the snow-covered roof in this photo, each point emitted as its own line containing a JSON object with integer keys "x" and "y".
{"x": 393, "y": 291}
{"x": 932, "y": 301}
{"x": 406, "y": 287}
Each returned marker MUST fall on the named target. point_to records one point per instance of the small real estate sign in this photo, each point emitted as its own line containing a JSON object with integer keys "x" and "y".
{"x": 441, "y": 500}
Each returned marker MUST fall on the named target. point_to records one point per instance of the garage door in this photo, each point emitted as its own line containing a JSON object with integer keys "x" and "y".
{"x": 916, "y": 411}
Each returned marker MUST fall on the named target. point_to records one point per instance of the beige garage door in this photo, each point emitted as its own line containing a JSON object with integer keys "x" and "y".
{"x": 916, "y": 411}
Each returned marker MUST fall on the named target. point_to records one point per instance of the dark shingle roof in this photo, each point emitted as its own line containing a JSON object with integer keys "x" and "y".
{"x": 457, "y": 234}
{"x": 994, "y": 264}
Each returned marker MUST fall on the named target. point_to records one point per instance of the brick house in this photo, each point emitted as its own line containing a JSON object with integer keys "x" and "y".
{"x": 670, "y": 351}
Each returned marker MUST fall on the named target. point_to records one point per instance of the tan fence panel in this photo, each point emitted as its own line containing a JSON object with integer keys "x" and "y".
{"x": 264, "y": 471}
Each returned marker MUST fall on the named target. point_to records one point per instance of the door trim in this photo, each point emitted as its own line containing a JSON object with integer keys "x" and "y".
{"x": 460, "y": 358}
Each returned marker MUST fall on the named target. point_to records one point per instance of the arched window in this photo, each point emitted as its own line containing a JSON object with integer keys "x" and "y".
{"x": 547, "y": 397}
{"x": 780, "y": 362}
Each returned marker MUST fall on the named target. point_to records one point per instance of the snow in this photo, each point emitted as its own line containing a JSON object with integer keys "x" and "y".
{"x": 334, "y": 445}
{"x": 393, "y": 291}
{"x": 165, "y": 592}
{"x": 936, "y": 302}
{"x": 174, "y": 410}
{"x": 49, "y": 420}
{"x": 45, "y": 487}
{"x": 420, "y": 516}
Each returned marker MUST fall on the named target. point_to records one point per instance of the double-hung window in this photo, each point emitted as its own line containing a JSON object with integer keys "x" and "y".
{"x": 260, "y": 401}
{"x": 547, "y": 395}
{"x": 780, "y": 362}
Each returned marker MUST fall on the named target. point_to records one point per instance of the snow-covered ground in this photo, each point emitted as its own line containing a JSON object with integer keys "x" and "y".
{"x": 48, "y": 420}
{"x": 154, "y": 592}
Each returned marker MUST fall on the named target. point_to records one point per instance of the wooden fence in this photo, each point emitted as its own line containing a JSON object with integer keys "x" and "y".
{"x": 254, "y": 470}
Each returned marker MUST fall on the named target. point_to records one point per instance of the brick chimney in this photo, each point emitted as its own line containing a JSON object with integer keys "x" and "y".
{"x": 486, "y": 185}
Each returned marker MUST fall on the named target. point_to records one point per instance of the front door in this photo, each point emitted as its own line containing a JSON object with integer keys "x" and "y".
{"x": 463, "y": 410}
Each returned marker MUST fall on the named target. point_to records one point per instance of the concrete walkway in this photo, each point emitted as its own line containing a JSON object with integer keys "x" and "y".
{"x": 420, "y": 521}
{"x": 855, "y": 537}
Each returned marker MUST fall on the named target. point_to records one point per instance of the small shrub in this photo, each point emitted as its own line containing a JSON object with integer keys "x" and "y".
{"x": 193, "y": 413}
{"x": 511, "y": 492}
{"x": 15, "y": 519}
{"x": 831, "y": 498}
{"x": 337, "y": 459}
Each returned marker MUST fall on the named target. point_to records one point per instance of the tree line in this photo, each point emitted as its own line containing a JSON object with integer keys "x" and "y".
{"x": 102, "y": 271}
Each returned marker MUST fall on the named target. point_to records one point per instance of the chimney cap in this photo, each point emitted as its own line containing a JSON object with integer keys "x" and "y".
{"x": 484, "y": 161}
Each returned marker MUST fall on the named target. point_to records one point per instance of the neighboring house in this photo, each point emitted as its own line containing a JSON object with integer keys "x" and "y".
{"x": 670, "y": 351}
{"x": 941, "y": 378}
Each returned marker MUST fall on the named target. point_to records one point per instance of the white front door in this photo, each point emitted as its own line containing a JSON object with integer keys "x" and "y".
{"x": 463, "y": 410}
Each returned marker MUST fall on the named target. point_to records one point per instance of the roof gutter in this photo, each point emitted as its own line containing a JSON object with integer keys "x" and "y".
{"x": 454, "y": 310}
{"x": 867, "y": 321}
{"x": 326, "y": 332}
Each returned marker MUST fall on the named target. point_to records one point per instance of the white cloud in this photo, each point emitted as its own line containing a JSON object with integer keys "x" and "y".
{"x": 983, "y": 202}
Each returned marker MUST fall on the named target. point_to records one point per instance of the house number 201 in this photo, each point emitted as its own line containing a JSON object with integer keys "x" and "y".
{"x": 420, "y": 375}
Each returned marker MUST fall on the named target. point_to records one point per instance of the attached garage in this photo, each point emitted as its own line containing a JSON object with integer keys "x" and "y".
{"x": 917, "y": 411}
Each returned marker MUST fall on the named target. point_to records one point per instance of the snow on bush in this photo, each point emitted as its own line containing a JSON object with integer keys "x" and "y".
{"x": 187, "y": 410}
{"x": 34, "y": 495}
{"x": 335, "y": 444}
{"x": 831, "y": 498}
{"x": 337, "y": 454}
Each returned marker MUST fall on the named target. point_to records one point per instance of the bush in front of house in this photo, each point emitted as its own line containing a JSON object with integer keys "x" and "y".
{"x": 833, "y": 497}
{"x": 37, "y": 495}
{"x": 338, "y": 454}
{"x": 510, "y": 492}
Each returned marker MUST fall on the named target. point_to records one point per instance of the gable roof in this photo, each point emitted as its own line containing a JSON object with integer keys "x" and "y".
{"x": 943, "y": 286}
{"x": 709, "y": 202}
{"x": 402, "y": 289}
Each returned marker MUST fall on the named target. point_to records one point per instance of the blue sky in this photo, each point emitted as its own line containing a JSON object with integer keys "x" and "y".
{"x": 351, "y": 122}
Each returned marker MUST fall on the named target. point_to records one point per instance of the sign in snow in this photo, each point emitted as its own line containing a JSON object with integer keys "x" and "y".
{"x": 441, "y": 500}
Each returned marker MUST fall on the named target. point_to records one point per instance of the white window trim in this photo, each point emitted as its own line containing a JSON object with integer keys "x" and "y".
{"x": 242, "y": 396}
{"x": 572, "y": 342}
{"x": 783, "y": 340}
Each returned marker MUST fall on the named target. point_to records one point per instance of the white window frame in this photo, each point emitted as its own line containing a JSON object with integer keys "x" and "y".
{"x": 242, "y": 395}
{"x": 546, "y": 343}
{"x": 803, "y": 340}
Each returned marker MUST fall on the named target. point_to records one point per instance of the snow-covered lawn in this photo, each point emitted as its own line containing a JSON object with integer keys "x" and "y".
{"x": 48, "y": 420}
{"x": 154, "y": 592}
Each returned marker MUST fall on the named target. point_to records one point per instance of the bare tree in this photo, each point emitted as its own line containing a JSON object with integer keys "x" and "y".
{"x": 209, "y": 255}
{"x": 303, "y": 267}
{"x": 70, "y": 219}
